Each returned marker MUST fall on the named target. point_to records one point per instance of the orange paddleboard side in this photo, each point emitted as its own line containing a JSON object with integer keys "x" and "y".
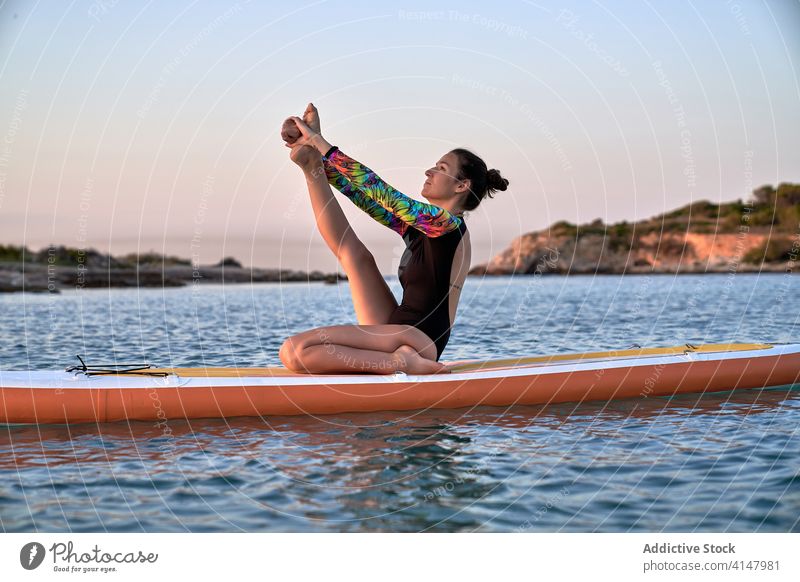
{"x": 161, "y": 403}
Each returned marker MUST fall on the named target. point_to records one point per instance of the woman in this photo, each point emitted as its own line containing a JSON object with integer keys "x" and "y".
{"x": 389, "y": 337}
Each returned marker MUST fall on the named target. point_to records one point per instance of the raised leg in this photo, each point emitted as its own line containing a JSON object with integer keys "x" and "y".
{"x": 372, "y": 299}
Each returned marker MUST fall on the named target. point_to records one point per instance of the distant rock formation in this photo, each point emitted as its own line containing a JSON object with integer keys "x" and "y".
{"x": 57, "y": 267}
{"x": 760, "y": 235}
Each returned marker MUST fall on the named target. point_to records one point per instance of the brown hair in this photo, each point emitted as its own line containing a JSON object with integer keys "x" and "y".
{"x": 482, "y": 180}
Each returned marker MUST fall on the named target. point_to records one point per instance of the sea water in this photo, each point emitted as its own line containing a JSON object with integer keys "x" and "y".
{"x": 720, "y": 462}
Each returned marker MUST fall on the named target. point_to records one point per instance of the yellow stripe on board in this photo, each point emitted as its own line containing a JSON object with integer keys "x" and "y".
{"x": 226, "y": 372}
{"x": 616, "y": 354}
{"x": 483, "y": 365}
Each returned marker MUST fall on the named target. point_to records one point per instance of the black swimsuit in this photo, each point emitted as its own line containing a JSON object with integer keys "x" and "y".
{"x": 425, "y": 276}
{"x": 430, "y": 232}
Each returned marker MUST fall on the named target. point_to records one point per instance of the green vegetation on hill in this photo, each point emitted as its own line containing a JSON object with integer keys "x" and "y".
{"x": 773, "y": 209}
{"x": 72, "y": 257}
{"x": 777, "y": 249}
{"x": 13, "y": 254}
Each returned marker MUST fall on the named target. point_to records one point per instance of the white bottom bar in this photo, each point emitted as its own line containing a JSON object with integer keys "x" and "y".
{"x": 380, "y": 557}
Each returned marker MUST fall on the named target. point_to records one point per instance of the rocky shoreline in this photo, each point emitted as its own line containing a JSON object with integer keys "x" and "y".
{"x": 544, "y": 252}
{"x": 761, "y": 235}
{"x": 59, "y": 268}
{"x": 39, "y": 278}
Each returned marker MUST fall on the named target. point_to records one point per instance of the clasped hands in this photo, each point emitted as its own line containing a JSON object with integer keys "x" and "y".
{"x": 304, "y": 138}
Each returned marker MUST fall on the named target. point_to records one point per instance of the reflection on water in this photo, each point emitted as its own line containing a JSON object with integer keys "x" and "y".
{"x": 720, "y": 462}
{"x": 724, "y": 462}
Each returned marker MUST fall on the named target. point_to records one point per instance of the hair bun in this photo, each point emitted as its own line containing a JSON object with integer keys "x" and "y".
{"x": 495, "y": 181}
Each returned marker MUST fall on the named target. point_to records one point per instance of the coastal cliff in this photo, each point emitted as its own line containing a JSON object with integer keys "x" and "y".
{"x": 762, "y": 234}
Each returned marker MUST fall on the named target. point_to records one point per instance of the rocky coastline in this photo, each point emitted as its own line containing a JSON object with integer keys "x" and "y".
{"x": 760, "y": 235}
{"x": 58, "y": 268}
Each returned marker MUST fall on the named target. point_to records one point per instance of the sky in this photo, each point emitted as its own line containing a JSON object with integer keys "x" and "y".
{"x": 137, "y": 126}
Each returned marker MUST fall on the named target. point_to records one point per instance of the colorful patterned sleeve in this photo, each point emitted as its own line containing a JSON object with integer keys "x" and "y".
{"x": 389, "y": 206}
{"x": 365, "y": 203}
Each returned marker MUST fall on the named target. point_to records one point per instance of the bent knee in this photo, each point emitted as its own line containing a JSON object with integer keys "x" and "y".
{"x": 289, "y": 355}
{"x": 429, "y": 351}
{"x": 420, "y": 341}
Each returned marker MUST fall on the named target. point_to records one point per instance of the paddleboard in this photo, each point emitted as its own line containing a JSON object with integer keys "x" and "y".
{"x": 162, "y": 394}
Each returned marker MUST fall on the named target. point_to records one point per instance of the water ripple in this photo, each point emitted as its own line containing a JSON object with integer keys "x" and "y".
{"x": 723, "y": 462}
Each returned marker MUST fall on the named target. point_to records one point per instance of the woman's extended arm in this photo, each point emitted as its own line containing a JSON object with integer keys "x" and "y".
{"x": 292, "y": 131}
{"x": 379, "y": 199}
{"x": 390, "y": 205}
{"x": 365, "y": 203}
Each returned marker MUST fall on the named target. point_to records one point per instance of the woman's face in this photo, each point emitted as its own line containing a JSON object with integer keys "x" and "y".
{"x": 441, "y": 183}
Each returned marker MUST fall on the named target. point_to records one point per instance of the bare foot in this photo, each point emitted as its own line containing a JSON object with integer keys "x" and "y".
{"x": 290, "y": 133}
{"x": 413, "y": 363}
{"x": 311, "y": 117}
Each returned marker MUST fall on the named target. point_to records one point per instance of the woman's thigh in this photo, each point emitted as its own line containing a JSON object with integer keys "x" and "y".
{"x": 384, "y": 338}
{"x": 372, "y": 299}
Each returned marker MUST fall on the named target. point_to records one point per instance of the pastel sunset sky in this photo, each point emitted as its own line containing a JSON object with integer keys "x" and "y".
{"x": 145, "y": 126}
